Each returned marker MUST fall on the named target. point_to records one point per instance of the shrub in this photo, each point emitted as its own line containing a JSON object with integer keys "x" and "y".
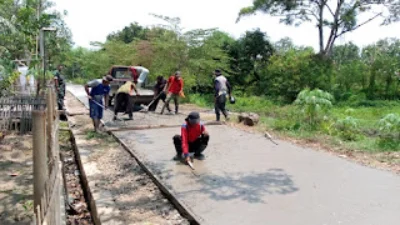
{"x": 313, "y": 104}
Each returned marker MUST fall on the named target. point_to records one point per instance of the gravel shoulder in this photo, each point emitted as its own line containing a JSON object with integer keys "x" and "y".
{"x": 112, "y": 172}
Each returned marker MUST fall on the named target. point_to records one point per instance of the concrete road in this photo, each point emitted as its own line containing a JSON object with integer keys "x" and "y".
{"x": 245, "y": 179}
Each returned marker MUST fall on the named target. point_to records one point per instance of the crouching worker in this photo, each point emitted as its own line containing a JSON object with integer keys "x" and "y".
{"x": 99, "y": 90}
{"x": 123, "y": 99}
{"x": 194, "y": 138}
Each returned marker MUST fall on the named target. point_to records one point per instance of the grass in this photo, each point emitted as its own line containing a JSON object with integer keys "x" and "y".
{"x": 288, "y": 120}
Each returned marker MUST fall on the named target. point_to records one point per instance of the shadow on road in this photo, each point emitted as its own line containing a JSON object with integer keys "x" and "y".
{"x": 247, "y": 187}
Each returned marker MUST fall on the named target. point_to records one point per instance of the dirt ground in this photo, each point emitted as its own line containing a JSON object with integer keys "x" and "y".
{"x": 16, "y": 179}
{"x": 137, "y": 198}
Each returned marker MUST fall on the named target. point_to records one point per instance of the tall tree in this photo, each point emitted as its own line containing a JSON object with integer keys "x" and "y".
{"x": 339, "y": 16}
{"x": 250, "y": 52}
{"x": 129, "y": 33}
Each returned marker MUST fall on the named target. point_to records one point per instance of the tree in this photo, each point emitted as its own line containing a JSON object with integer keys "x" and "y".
{"x": 284, "y": 45}
{"x": 248, "y": 54}
{"x": 130, "y": 33}
{"x": 339, "y": 16}
{"x": 346, "y": 53}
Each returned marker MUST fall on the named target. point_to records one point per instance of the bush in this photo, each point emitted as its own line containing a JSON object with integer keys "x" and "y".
{"x": 347, "y": 129}
{"x": 389, "y": 127}
{"x": 313, "y": 104}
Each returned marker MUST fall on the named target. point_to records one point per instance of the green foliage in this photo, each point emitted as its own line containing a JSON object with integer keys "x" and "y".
{"x": 313, "y": 103}
{"x": 389, "y": 130}
{"x": 130, "y": 33}
{"x": 290, "y": 72}
{"x": 339, "y": 18}
{"x": 347, "y": 128}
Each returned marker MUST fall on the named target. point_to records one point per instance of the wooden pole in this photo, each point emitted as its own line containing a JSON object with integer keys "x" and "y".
{"x": 40, "y": 170}
{"x": 49, "y": 128}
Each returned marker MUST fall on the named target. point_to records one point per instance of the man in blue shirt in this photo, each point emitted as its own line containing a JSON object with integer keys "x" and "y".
{"x": 99, "y": 88}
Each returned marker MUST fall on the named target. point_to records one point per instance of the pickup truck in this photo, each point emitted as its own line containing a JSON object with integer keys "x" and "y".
{"x": 138, "y": 75}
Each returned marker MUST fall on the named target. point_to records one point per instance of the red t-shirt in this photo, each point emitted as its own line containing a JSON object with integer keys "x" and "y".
{"x": 190, "y": 134}
{"x": 176, "y": 86}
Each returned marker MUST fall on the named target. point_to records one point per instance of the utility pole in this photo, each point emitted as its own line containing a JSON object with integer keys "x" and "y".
{"x": 38, "y": 13}
{"x": 41, "y": 41}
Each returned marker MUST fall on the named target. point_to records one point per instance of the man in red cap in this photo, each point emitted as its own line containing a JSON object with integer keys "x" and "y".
{"x": 194, "y": 138}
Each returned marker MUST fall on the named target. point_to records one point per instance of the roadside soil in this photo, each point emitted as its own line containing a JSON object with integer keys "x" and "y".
{"x": 77, "y": 211}
{"x": 138, "y": 199}
{"x": 16, "y": 179}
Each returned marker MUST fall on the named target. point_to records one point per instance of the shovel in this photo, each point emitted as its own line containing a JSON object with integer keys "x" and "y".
{"x": 146, "y": 107}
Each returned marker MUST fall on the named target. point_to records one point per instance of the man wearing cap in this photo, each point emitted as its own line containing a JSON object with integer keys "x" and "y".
{"x": 222, "y": 88}
{"x": 123, "y": 100}
{"x": 194, "y": 138}
{"x": 174, "y": 87}
{"x": 99, "y": 89}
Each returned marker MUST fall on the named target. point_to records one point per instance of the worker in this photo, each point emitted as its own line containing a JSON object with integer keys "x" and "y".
{"x": 159, "y": 93}
{"x": 59, "y": 83}
{"x": 175, "y": 88}
{"x": 99, "y": 88}
{"x": 139, "y": 74}
{"x": 221, "y": 88}
{"x": 123, "y": 99}
{"x": 194, "y": 138}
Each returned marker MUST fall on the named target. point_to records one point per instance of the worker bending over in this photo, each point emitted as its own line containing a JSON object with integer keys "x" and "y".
{"x": 194, "y": 138}
{"x": 123, "y": 99}
{"x": 99, "y": 89}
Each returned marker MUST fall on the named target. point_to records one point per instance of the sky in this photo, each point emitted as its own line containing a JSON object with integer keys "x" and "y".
{"x": 93, "y": 20}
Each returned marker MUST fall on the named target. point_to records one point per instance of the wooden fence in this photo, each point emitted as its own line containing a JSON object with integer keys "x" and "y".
{"x": 15, "y": 112}
{"x": 46, "y": 163}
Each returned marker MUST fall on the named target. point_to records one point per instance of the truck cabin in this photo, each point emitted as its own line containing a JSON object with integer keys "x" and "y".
{"x": 123, "y": 74}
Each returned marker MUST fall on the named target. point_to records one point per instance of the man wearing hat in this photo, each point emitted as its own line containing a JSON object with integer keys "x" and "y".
{"x": 99, "y": 88}
{"x": 175, "y": 88}
{"x": 194, "y": 138}
{"x": 222, "y": 88}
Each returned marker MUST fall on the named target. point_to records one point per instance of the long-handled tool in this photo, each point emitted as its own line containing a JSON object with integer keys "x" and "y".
{"x": 106, "y": 109}
{"x": 146, "y": 107}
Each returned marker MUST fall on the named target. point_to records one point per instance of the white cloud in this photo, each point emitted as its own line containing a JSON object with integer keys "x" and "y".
{"x": 92, "y": 20}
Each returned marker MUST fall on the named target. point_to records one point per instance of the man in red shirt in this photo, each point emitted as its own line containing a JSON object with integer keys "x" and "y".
{"x": 193, "y": 138}
{"x": 174, "y": 87}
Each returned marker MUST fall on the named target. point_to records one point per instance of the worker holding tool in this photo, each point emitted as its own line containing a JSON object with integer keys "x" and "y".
{"x": 175, "y": 90}
{"x": 123, "y": 99}
{"x": 194, "y": 138}
{"x": 99, "y": 88}
{"x": 159, "y": 93}
{"x": 222, "y": 88}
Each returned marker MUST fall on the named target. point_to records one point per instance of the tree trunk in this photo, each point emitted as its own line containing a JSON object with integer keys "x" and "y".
{"x": 321, "y": 29}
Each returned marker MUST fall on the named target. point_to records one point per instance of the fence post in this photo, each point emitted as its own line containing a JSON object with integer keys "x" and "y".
{"x": 40, "y": 170}
{"x": 49, "y": 130}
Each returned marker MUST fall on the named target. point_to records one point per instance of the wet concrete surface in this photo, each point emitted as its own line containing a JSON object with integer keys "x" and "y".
{"x": 246, "y": 179}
